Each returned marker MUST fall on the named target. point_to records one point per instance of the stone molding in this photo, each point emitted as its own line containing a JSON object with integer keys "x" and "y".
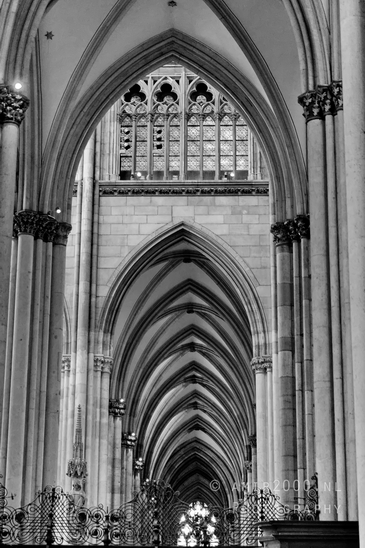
{"x": 41, "y": 226}
{"x": 129, "y": 440}
{"x": 193, "y": 188}
{"x": 98, "y": 362}
{"x": 117, "y": 408}
{"x": 13, "y": 106}
{"x": 291, "y": 230}
{"x": 322, "y": 101}
{"x": 66, "y": 363}
{"x": 107, "y": 365}
{"x": 261, "y": 364}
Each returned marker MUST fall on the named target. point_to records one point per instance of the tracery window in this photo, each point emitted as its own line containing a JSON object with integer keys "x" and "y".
{"x": 176, "y": 126}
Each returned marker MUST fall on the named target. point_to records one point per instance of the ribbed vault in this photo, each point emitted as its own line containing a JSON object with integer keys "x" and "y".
{"x": 177, "y": 314}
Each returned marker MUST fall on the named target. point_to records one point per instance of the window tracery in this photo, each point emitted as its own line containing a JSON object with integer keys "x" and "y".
{"x": 176, "y": 126}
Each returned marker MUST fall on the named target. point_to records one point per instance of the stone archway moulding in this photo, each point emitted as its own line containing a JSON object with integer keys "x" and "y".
{"x": 216, "y": 250}
{"x": 276, "y": 134}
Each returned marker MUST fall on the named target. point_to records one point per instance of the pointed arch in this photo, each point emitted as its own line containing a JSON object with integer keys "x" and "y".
{"x": 231, "y": 266}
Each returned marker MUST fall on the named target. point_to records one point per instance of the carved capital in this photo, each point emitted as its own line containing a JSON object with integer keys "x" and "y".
{"x": 47, "y": 228}
{"x": 312, "y": 105}
{"x": 129, "y": 440}
{"x": 325, "y": 99}
{"x": 107, "y": 365}
{"x": 247, "y": 465}
{"x": 62, "y": 232}
{"x": 12, "y": 106}
{"x": 139, "y": 464}
{"x": 117, "y": 408}
{"x": 337, "y": 97}
{"x": 25, "y": 222}
{"x": 66, "y": 363}
{"x": 302, "y": 225}
{"x": 252, "y": 440}
{"x": 261, "y": 364}
{"x": 281, "y": 232}
{"x": 98, "y": 362}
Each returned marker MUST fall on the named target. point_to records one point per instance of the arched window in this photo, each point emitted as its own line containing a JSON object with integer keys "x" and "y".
{"x": 176, "y": 126}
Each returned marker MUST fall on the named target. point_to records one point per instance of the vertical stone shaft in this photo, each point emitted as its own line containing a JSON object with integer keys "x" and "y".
{"x": 352, "y": 17}
{"x": 350, "y": 443}
{"x": 334, "y": 271}
{"x": 104, "y": 435}
{"x": 117, "y": 461}
{"x": 286, "y": 370}
{"x": 321, "y": 314}
{"x": 8, "y": 163}
{"x": 19, "y": 367}
{"x": 55, "y": 356}
{"x": 260, "y": 365}
{"x": 85, "y": 278}
{"x": 8, "y": 358}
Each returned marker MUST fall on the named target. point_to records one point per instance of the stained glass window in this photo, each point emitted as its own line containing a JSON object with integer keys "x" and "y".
{"x": 175, "y": 125}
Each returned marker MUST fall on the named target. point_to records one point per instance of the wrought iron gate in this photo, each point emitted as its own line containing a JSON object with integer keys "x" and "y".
{"x": 151, "y": 518}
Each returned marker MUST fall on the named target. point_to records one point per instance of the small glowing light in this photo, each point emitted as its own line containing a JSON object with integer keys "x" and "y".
{"x": 18, "y": 85}
{"x": 139, "y": 174}
{"x": 133, "y": 434}
{"x": 121, "y": 400}
{"x": 140, "y": 459}
{"x": 58, "y": 210}
{"x": 232, "y": 174}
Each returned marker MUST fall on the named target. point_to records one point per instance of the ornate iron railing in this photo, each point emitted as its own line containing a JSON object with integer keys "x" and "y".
{"x": 151, "y": 518}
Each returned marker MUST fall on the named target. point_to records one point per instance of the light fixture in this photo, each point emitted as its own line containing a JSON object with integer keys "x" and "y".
{"x": 58, "y": 210}
{"x": 18, "y": 85}
{"x": 121, "y": 400}
{"x": 197, "y": 527}
{"x": 139, "y": 174}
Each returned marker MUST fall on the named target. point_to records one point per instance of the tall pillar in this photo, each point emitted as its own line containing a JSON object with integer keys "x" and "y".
{"x": 352, "y": 18}
{"x": 55, "y": 355}
{"x": 26, "y": 225}
{"x": 260, "y": 365}
{"x": 106, "y": 370}
{"x": 314, "y": 108}
{"x": 253, "y": 443}
{"x": 116, "y": 411}
{"x": 12, "y": 111}
{"x": 129, "y": 442}
{"x": 138, "y": 467}
{"x": 286, "y": 374}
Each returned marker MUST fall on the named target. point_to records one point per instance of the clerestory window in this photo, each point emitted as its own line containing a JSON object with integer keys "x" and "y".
{"x": 176, "y": 126}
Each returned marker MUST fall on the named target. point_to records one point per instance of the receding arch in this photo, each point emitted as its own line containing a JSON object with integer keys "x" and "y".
{"x": 210, "y": 245}
{"x": 276, "y": 135}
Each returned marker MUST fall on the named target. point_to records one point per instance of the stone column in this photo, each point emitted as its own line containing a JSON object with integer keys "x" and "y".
{"x": 314, "y": 106}
{"x": 287, "y": 411}
{"x": 55, "y": 354}
{"x": 260, "y": 365}
{"x": 128, "y": 442}
{"x": 25, "y": 225}
{"x": 252, "y": 442}
{"x": 116, "y": 411}
{"x": 352, "y": 17}
{"x": 106, "y": 370}
{"x": 12, "y": 110}
{"x": 138, "y": 467}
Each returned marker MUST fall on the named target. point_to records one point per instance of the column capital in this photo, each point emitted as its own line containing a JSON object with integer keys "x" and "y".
{"x": 139, "y": 464}
{"x": 261, "y": 364}
{"x": 325, "y": 99}
{"x": 98, "y": 362}
{"x": 13, "y": 105}
{"x": 62, "y": 232}
{"x": 337, "y": 97}
{"x": 281, "y": 232}
{"x": 25, "y": 222}
{"x": 47, "y": 228}
{"x": 117, "y": 408}
{"x": 107, "y": 365}
{"x": 66, "y": 363}
{"x": 247, "y": 465}
{"x": 252, "y": 440}
{"x": 129, "y": 440}
{"x": 302, "y": 223}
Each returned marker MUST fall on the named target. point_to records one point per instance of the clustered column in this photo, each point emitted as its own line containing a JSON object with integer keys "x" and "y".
{"x": 321, "y": 107}
{"x": 128, "y": 443}
{"x": 288, "y": 401}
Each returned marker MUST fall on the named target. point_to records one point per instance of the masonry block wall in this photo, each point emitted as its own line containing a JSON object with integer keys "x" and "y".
{"x": 240, "y": 222}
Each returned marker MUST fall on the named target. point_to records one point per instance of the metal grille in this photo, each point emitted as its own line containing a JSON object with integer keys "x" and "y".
{"x": 152, "y": 517}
